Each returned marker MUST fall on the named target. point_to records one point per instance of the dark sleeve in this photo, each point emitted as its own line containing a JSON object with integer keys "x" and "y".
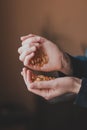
{"x": 79, "y": 66}
{"x": 81, "y": 99}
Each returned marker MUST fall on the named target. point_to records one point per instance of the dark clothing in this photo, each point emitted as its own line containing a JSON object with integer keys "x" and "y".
{"x": 79, "y": 66}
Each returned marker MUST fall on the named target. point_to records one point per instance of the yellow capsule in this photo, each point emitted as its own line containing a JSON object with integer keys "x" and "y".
{"x": 46, "y": 78}
{"x": 41, "y": 64}
{"x": 43, "y": 59}
{"x": 38, "y": 60}
{"x": 38, "y": 79}
{"x": 35, "y": 61}
{"x": 32, "y": 62}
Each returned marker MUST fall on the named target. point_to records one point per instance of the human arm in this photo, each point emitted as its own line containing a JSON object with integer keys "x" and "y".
{"x": 79, "y": 66}
{"x": 62, "y": 88}
{"x": 57, "y": 59}
{"x": 70, "y": 66}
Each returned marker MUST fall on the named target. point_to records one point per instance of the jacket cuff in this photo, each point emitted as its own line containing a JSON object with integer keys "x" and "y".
{"x": 78, "y": 66}
{"x": 81, "y": 98}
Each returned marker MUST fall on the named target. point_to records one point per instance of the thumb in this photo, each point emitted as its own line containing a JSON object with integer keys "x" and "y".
{"x": 22, "y": 38}
{"x": 42, "y": 85}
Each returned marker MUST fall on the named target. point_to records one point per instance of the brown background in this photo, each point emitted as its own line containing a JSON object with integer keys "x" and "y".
{"x": 63, "y": 21}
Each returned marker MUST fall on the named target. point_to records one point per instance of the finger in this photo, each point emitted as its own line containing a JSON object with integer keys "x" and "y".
{"x": 28, "y": 58}
{"x": 22, "y": 38}
{"x": 31, "y": 40}
{"x": 26, "y": 46}
{"x": 24, "y": 73}
{"x": 29, "y": 76}
{"x": 39, "y": 92}
{"x": 42, "y": 84}
{"x": 27, "y": 52}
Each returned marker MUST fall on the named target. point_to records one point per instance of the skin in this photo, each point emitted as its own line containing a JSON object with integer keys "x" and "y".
{"x": 53, "y": 88}
{"x": 57, "y": 59}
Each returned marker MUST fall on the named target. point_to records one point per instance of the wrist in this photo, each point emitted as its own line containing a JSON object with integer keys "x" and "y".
{"x": 77, "y": 85}
{"x": 66, "y": 65}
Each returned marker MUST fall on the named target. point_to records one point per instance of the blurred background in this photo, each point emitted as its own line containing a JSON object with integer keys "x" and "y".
{"x": 65, "y": 23}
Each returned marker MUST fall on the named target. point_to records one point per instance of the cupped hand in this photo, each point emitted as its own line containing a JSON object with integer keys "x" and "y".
{"x": 33, "y": 45}
{"x": 52, "y": 88}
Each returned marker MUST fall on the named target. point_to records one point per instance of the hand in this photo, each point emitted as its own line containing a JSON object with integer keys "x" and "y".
{"x": 52, "y": 88}
{"x": 57, "y": 60}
